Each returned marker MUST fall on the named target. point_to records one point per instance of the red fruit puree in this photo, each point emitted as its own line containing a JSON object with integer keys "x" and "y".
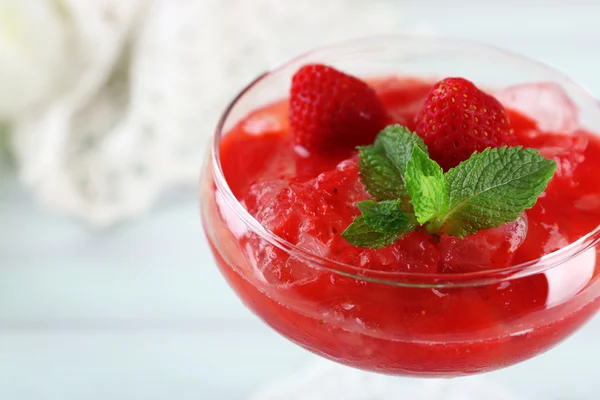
{"x": 309, "y": 199}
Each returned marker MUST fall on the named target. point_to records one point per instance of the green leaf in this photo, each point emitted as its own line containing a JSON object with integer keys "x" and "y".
{"x": 426, "y": 186}
{"x": 488, "y": 190}
{"x": 386, "y": 216}
{"x": 383, "y": 164}
{"x": 493, "y": 187}
{"x": 397, "y": 143}
{"x": 362, "y": 235}
{"x": 380, "y": 176}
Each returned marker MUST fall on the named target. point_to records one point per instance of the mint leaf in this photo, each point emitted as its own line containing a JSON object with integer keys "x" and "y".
{"x": 383, "y": 164}
{"x": 379, "y": 174}
{"x": 362, "y": 235}
{"x": 397, "y": 143}
{"x": 487, "y": 190}
{"x": 426, "y": 186}
{"x": 493, "y": 187}
{"x": 386, "y": 216}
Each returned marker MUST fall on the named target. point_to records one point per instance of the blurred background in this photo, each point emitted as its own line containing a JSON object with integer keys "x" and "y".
{"x": 107, "y": 287}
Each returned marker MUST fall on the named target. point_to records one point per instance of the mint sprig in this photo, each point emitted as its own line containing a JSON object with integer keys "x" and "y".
{"x": 412, "y": 191}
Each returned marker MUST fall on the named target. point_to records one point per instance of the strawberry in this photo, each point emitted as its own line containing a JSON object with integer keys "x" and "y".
{"x": 329, "y": 109}
{"x": 458, "y": 119}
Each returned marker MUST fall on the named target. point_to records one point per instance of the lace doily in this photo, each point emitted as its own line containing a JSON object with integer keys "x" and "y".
{"x": 112, "y": 102}
{"x": 326, "y": 380}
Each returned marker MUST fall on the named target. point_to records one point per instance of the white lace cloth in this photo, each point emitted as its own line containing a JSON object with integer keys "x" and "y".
{"x": 326, "y": 380}
{"x": 111, "y": 102}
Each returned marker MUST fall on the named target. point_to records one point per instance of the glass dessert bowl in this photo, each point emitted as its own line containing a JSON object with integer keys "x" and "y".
{"x": 273, "y": 213}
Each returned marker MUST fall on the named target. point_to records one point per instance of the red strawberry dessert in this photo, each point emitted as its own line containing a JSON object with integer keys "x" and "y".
{"x": 417, "y": 252}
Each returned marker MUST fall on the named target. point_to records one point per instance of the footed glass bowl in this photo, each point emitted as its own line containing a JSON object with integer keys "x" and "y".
{"x": 409, "y": 324}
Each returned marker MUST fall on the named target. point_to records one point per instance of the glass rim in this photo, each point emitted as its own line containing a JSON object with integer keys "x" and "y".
{"x": 415, "y": 279}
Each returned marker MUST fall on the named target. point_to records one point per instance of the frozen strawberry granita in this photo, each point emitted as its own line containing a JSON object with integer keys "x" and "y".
{"x": 404, "y": 225}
